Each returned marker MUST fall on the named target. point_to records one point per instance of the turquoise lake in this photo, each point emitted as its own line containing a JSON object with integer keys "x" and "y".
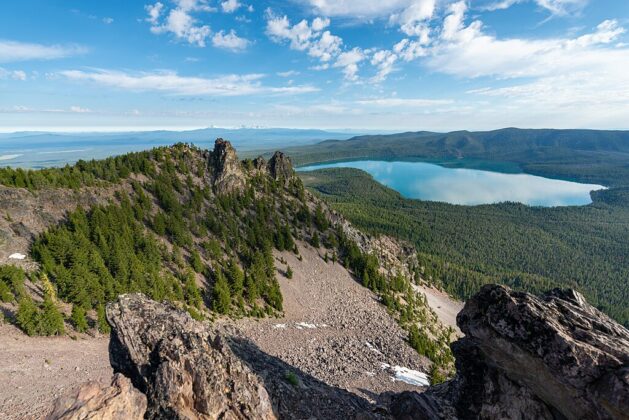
{"x": 427, "y": 181}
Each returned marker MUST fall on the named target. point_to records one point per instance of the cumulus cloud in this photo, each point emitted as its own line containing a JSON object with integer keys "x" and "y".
{"x": 229, "y": 41}
{"x": 172, "y": 83}
{"x": 12, "y": 51}
{"x": 348, "y": 61}
{"x": 466, "y": 50}
{"x": 310, "y": 37}
{"x": 230, "y": 6}
{"x": 179, "y": 21}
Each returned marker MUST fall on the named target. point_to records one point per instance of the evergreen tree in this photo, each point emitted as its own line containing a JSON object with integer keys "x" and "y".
{"x": 195, "y": 261}
{"x": 221, "y": 297}
{"x": 50, "y": 319}
{"x": 289, "y": 272}
{"x": 103, "y": 325}
{"x": 79, "y": 319}
{"x": 27, "y": 316}
{"x": 236, "y": 278}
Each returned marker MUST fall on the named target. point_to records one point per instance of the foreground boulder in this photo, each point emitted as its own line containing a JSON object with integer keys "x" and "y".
{"x": 120, "y": 401}
{"x": 522, "y": 357}
{"x": 184, "y": 369}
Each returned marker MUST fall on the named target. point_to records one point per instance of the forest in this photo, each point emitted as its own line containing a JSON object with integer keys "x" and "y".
{"x": 528, "y": 248}
{"x": 169, "y": 234}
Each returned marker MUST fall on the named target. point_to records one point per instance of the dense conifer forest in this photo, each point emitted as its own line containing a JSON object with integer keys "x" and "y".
{"x": 529, "y": 248}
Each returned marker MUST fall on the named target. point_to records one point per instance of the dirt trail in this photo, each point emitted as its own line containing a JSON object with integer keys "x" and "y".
{"x": 35, "y": 370}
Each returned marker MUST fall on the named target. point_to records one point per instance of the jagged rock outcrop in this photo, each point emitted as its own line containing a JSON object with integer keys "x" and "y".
{"x": 227, "y": 173}
{"x": 185, "y": 370}
{"x": 522, "y": 357}
{"x": 548, "y": 357}
{"x": 280, "y": 167}
{"x": 120, "y": 401}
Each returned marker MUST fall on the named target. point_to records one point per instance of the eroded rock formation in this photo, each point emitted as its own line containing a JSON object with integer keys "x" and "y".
{"x": 548, "y": 357}
{"x": 280, "y": 167}
{"x": 120, "y": 401}
{"x": 227, "y": 174}
{"x": 185, "y": 370}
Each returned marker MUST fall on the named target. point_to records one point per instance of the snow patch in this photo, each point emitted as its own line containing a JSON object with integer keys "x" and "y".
{"x": 301, "y": 325}
{"x": 279, "y": 326}
{"x": 17, "y": 256}
{"x": 409, "y": 376}
{"x": 372, "y": 348}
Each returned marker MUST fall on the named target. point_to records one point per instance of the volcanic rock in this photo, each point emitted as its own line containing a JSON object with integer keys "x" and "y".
{"x": 120, "y": 401}
{"x": 185, "y": 370}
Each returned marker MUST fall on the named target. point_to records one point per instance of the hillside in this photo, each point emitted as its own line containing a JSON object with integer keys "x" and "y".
{"x": 223, "y": 239}
{"x": 590, "y": 156}
{"x": 529, "y": 248}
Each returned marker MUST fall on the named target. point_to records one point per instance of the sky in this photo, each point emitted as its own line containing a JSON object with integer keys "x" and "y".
{"x": 394, "y": 65}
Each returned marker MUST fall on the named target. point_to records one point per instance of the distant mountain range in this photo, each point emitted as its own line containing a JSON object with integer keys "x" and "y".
{"x": 40, "y": 149}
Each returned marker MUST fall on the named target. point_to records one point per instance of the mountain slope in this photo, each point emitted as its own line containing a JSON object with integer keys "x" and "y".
{"x": 591, "y": 156}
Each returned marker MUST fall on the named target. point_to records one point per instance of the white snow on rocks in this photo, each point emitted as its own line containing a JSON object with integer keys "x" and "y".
{"x": 305, "y": 325}
{"x": 409, "y": 376}
{"x": 17, "y": 256}
{"x": 279, "y": 326}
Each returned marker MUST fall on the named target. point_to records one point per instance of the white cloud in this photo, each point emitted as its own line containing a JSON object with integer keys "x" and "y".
{"x": 230, "y": 6}
{"x": 172, "y": 83}
{"x": 288, "y": 73}
{"x": 12, "y": 74}
{"x": 229, "y": 41}
{"x": 348, "y": 61}
{"x": 80, "y": 110}
{"x": 401, "y": 102}
{"x": 12, "y": 51}
{"x": 304, "y": 36}
{"x": 359, "y": 8}
{"x": 467, "y": 51}
{"x": 556, "y": 7}
{"x": 108, "y": 20}
{"x": 384, "y": 61}
{"x": 412, "y": 20}
{"x": 179, "y": 20}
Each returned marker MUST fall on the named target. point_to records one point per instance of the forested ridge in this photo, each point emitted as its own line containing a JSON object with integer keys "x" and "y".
{"x": 197, "y": 228}
{"x": 530, "y": 248}
{"x": 590, "y": 156}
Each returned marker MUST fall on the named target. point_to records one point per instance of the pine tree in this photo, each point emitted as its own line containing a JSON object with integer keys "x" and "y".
{"x": 195, "y": 261}
{"x": 236, "y": 278}
{"x": 103, "y": 325}
{"x": 78, "y": 319}
{"x": 27, "y": 316}
{"x": 289, "y": 272}
{"x": 221, "y": 301}
{"x": 50, "y": 319}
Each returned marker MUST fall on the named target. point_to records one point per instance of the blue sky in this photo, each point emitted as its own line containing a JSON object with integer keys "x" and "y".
{"x": 369, "y": 64}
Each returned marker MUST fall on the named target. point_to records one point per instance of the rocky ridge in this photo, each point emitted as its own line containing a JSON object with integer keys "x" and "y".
{"x": 548, "y": 357}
